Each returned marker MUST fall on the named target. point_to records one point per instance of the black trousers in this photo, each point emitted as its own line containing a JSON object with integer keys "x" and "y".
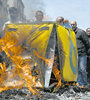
{"x": 88, "y": 69}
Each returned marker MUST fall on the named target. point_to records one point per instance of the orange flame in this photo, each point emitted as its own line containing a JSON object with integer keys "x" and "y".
{"x": 20, "y": 73}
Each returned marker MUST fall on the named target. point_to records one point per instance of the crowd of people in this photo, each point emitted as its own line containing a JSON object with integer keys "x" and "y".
{"x": 82, "y": 38}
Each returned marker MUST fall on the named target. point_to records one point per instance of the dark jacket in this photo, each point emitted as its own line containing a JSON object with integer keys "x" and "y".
{"x": 83, "y": 44}
{"x": 89, "y": 39}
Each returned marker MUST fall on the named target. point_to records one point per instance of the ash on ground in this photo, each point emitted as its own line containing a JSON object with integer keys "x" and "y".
{"x": 67, "y": 93}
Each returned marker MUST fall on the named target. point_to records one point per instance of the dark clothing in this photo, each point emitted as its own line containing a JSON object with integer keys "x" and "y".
{"x": 88, "y": 69}
{"x": 83, "y": 44}
{"x": 88, "y": 65}
{"x": 82, "y": 73}
{"x": 83, "y": 50}
{"x": 89, "y": 39}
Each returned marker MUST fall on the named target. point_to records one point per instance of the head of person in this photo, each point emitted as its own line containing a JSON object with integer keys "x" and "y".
{"x": 39, "y": 15}
{"x": 13, "y": 13}
{"x": 74, "y": 25}
{"x": 88, "y": 31}
{"x": 60, "y": 20}
{"x": 67, "y": 24}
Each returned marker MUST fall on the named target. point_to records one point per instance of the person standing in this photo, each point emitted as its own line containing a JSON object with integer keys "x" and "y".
{"x": 13, "y": 13}
{"x": 83, "y": 47}
{"x": 63, "y": 22}
{"x": 67, "y": 24}
{"x": 39, "y": 16}
{"x": 88, "y": 59}
{"x": 60, "y": 20}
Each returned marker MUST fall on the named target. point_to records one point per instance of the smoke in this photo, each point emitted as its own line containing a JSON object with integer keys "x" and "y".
{"x": 31, "y": 6}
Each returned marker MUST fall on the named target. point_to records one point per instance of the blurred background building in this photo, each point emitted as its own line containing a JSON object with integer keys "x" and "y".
{"x": 19, "y": 5}
{"x": 5, "y": 5}
{"x": 3, "y": 12}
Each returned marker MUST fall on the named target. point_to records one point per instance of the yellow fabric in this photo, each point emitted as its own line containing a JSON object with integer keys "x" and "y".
{"x": 37, "y": 37}
{"x": 66, "y": 37}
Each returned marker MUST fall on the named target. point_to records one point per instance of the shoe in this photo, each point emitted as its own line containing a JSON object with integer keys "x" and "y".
{"x": 77, "y": 84}
{"x": 80, "y": 86}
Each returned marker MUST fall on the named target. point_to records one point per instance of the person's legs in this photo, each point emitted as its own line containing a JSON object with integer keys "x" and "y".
{"x": 88, "y": 70}
{"x": 82, "y": 74}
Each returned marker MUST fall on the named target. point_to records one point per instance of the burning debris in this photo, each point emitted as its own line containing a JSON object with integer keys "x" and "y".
{"x": 35, "y": 63}
{"x": 18, "y": 74}
{"x": 66, "y": 93}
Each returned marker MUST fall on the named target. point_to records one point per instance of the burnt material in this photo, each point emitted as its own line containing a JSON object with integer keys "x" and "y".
{"x": 66, "y": 93}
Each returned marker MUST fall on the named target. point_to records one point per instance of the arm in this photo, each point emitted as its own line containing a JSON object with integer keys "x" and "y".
{"x": 85, "y": 40}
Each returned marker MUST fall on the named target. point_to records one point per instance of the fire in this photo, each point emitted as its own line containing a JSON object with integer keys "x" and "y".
{"x": 18, "y": 74}
{"x": 47, "y": 61}
{"x": 19, "y": 71}
{"x": 55, "y": 70}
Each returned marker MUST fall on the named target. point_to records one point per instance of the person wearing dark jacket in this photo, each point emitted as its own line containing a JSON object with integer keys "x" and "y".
{"x": 83, "y": 47}
{"x": 88, "y": 59}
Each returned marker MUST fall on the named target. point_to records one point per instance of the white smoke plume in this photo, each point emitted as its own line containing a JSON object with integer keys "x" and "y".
{"x": 31, "y": 6}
